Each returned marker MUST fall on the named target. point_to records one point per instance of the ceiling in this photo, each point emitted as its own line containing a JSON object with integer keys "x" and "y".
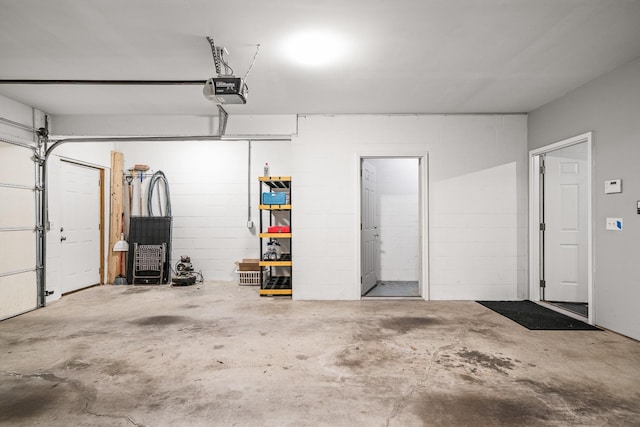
{"x": 399, "y": 56}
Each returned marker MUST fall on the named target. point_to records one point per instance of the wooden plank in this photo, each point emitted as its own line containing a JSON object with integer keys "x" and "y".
{"x": 115, "y": 217}
{"x": 102, "y": 227}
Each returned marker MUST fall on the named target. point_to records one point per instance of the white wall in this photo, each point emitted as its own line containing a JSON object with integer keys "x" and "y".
{"x": 477, "y": 201}
{"x": 209, "y": 186}
{"x": 609, "y": 107}
{"x": 477, "y": 196}
{"x": 398, "y": 218}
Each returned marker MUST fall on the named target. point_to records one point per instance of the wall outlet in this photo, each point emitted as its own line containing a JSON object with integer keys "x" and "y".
{"x": 614, "y": 224}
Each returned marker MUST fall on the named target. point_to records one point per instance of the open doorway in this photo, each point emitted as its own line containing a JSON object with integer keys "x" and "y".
{"x": 561, "y": 207}
{"x": 391, "y": 227}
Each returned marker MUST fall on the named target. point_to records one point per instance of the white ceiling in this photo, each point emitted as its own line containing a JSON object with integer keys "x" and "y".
{"x": 402, "y": 56}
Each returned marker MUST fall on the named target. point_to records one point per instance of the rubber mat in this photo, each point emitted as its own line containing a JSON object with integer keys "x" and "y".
{"x": 536, "y": 317}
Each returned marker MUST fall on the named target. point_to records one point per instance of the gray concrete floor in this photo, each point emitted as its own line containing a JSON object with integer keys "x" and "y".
{"x": 218, "y": 354}
{"x": 394, "y": 288}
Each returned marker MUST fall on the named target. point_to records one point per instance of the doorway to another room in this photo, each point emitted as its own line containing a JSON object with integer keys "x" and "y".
{"x": 561, "y": 227}
{"x": 391, "y": 228}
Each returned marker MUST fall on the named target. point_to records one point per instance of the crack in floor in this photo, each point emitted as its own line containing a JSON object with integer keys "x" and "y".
{"x": 88, "y": 395}
{"x": 402, "y": 400}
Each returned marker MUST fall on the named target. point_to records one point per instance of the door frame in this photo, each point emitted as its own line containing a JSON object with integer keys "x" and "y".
{"x": 535, "y": 206}
{"x": 423, "y": 203}
{"x": 101, "y": 209}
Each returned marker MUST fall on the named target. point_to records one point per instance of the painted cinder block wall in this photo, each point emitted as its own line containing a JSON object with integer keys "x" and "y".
{"x": 477, "y": 214}
{"x": 608, "y": 106}
{"x": 477, "y": 201}
{"x": 211, "y": 192}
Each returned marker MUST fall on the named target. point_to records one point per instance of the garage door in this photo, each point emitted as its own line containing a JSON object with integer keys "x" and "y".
{"x": 18, "y": 280}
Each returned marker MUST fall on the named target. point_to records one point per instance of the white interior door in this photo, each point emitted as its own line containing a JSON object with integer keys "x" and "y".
{"x": 369, "y": 232}
{"x": 80, "y": 226}
{"x": 566, "y": 222}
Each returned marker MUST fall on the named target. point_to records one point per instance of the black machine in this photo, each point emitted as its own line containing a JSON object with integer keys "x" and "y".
{"x": 185, "y": 275}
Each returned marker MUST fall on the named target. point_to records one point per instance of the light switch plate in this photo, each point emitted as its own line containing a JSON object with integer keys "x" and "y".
{"x": 614, "y": 224}
{"x": 613, "y": 186}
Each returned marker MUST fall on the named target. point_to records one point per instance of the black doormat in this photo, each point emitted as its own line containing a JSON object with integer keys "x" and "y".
{"x": 536, "y": 317}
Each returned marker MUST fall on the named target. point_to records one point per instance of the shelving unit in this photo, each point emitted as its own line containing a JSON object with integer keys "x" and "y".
{"x": 280, "y": 280}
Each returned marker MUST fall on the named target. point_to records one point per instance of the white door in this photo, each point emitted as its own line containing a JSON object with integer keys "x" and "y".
{"x": 80, "y": 226}
{"x": 369, "y": 232}
{"x": 566, "y": 222}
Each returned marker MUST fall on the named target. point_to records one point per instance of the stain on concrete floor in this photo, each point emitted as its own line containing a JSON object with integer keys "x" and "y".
{"x": 222, "y": 355}
{"x": 467, "y": 409}
{"x": 26, "y": 397}
{"x": 403, "y": 325}
{"x": 159, "y": 320}
{"x": 494, "y": 362}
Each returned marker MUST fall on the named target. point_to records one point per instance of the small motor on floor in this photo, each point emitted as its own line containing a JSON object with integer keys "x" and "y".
{"x": 185, "y": 275}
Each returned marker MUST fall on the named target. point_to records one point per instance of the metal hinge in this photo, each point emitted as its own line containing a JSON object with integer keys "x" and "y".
{"x": 543, "y": 226}
{"x": 543, "y": 284}
{"x": 542, "y": 169}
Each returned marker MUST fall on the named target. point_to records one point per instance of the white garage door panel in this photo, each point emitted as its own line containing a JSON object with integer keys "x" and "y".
{"x": 18, "y": 207}
{"x": 18, "y": 281}
{"x": 18, "y": 294}
{"x": 17, "y": 166}
{"x": 18, "y": 251}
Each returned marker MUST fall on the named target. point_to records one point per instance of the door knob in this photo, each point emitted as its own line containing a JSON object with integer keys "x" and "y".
{"x": 63, "y": 238}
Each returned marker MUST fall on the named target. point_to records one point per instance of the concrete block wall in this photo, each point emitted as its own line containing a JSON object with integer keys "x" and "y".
{"x": 477, "y": 217}
{"x": 477, "y": 201}
{"x": 209, "y": 185}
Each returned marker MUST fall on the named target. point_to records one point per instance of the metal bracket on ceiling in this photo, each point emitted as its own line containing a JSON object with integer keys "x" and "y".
{"x": 222, "y": 120}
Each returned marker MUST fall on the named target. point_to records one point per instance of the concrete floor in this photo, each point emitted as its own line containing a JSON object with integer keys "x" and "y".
{"x": 218, "y": 354}
{"x": 394, "y": 288}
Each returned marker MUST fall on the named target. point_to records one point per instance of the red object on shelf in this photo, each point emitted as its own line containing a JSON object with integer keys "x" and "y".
{"x": 279, "y": 229}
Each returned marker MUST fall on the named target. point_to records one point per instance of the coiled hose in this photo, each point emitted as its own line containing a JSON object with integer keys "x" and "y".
{"x": 155, "y": 179}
